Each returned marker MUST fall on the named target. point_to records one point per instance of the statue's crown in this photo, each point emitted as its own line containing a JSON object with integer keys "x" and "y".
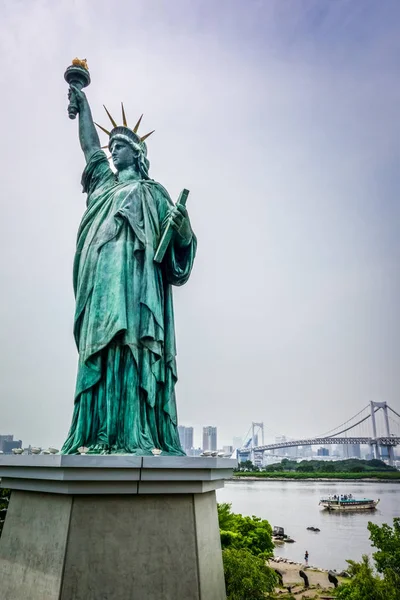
{"x": 123, "y": 131}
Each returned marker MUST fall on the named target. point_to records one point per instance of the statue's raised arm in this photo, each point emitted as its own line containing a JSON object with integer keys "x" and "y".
{"x": 78, "y": 77}
{"x": 88, "y": 135}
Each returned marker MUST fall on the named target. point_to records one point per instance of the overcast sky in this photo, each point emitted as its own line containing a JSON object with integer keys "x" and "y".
{"x": 282, "y": 117}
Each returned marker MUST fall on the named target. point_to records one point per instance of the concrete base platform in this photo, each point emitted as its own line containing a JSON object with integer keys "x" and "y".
{"x": 139, "y": 543}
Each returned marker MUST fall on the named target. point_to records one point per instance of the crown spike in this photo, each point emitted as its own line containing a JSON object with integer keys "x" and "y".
{"x": 146, "y": 136}
{"x": 102, "y": 128}
{"x": 123, "y": 115}
{"x": 110, "y": 117}
{"x": 137, "y": 125}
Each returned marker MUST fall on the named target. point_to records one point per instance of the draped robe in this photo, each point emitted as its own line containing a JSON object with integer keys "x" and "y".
{"x": 124, "y": 321}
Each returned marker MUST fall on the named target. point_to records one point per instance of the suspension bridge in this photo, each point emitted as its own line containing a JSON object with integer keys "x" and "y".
{"x": 375, "y": 425}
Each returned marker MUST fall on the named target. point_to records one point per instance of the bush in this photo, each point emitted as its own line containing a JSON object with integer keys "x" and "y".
{"x": 365, "y": 583}
{"x": 305, "y": 469}
{"x": 249, "y": 533}
{"x": 4, "y": 499}
{"x": 357, "y": 469}
{"x": 327, "y": 468}
{"x": 387, "y": 558}
{"x": 246, "y": 576}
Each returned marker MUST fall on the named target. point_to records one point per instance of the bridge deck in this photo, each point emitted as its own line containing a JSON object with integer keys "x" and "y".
{"x": 381, "y": 441}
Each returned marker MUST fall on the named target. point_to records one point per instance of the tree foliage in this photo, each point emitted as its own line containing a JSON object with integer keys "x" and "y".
{"x": 365, "y": 584}
{"x": 250, "y": 533}
{"x": 246, "y": 576}
{"x": 349, "y": 468}
{"x": 4, "y": 499}
{"x": 387, "y": 557}
{"x": 246, "y": 543}
{"x": 340, "y": 466}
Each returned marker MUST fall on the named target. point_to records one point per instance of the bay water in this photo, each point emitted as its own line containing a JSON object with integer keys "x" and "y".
{"x": 293, "y": 505}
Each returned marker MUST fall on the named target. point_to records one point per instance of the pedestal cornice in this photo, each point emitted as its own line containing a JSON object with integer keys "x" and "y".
{"x": 115, "y": 474}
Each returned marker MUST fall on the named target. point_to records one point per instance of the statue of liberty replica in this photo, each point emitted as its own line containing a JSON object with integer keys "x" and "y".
{"x": 133, "y": 245}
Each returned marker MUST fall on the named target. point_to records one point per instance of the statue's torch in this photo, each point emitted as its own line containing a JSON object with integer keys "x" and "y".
{"x": 78, "y": 75}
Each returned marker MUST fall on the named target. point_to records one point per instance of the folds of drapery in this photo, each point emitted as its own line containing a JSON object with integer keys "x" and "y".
{"x": 120, "y": 292}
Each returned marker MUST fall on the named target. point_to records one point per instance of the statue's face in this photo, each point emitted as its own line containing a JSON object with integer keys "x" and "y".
{"x": 122, "y": 154}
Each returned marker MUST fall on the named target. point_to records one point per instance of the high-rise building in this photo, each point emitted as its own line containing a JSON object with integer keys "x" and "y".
{"x": 322, "y": 452}
{"x": 186, "y": 438}
{"x": 5, "y": 438}
{"x": 209, "y": 438}
{"x": 355, "y": 450}
{"x": 7, "y": 443}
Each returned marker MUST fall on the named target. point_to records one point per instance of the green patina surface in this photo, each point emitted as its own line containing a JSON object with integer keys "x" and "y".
{"x": 124, "y": 321}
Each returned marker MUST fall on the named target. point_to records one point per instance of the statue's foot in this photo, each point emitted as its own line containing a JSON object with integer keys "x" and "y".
{"x": 99, "y": 449}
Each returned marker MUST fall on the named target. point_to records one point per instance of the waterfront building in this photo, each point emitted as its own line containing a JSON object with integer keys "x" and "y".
{"x": 7, "y": 443}
{"x": 322, "y": 452}
{"x": 210, "y": 438}
{"x": 186, "y": 438}
{"x": 355, "y": 450}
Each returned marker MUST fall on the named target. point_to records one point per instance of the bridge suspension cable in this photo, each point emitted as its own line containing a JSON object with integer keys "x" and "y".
{"x": 393, "y": 411}
{"x": 394, "y": 421}
{"x": 355, "y": 424}
{"x": 327, "y": 434}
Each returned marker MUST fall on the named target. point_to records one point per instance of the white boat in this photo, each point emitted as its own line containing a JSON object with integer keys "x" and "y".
{"x": 348, "y": 503}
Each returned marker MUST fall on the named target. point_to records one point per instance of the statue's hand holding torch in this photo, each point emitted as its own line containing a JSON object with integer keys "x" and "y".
{"x": 78, "y": 77}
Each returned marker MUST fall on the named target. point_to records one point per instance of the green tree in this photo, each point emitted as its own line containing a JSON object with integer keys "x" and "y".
{"x": 275, "y": 468}
{"x": 247, "y": 465}
{"x": 387, "y": 557}
{"x": 250, "y": 533}
{"x": 326, "y": 467}
{"x": 365, "y": 584}
{"x": 226, "y": 518}
{"x": 305, "y": 468}
{"x": 378, "y": 465}
{"x": 357, "y": 469}
{"x": 246, "y": 576}
{"x": 4, "y": 499}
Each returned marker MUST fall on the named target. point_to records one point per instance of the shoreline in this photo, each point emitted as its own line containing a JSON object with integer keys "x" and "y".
{"x": 282, "y": 560}
{"x": 333, "y": 479}
{"x": 317, "y": 577}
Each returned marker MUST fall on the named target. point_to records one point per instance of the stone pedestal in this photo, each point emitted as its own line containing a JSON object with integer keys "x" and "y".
{"x": 112, "y": 528}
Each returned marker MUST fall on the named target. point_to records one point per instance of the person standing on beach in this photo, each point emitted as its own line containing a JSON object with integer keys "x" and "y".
{"x": 306, "y": 557}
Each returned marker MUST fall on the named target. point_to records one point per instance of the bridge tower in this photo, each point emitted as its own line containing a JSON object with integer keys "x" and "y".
{"x": 375, "y": 443}
{"x": 256, "y": 429}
